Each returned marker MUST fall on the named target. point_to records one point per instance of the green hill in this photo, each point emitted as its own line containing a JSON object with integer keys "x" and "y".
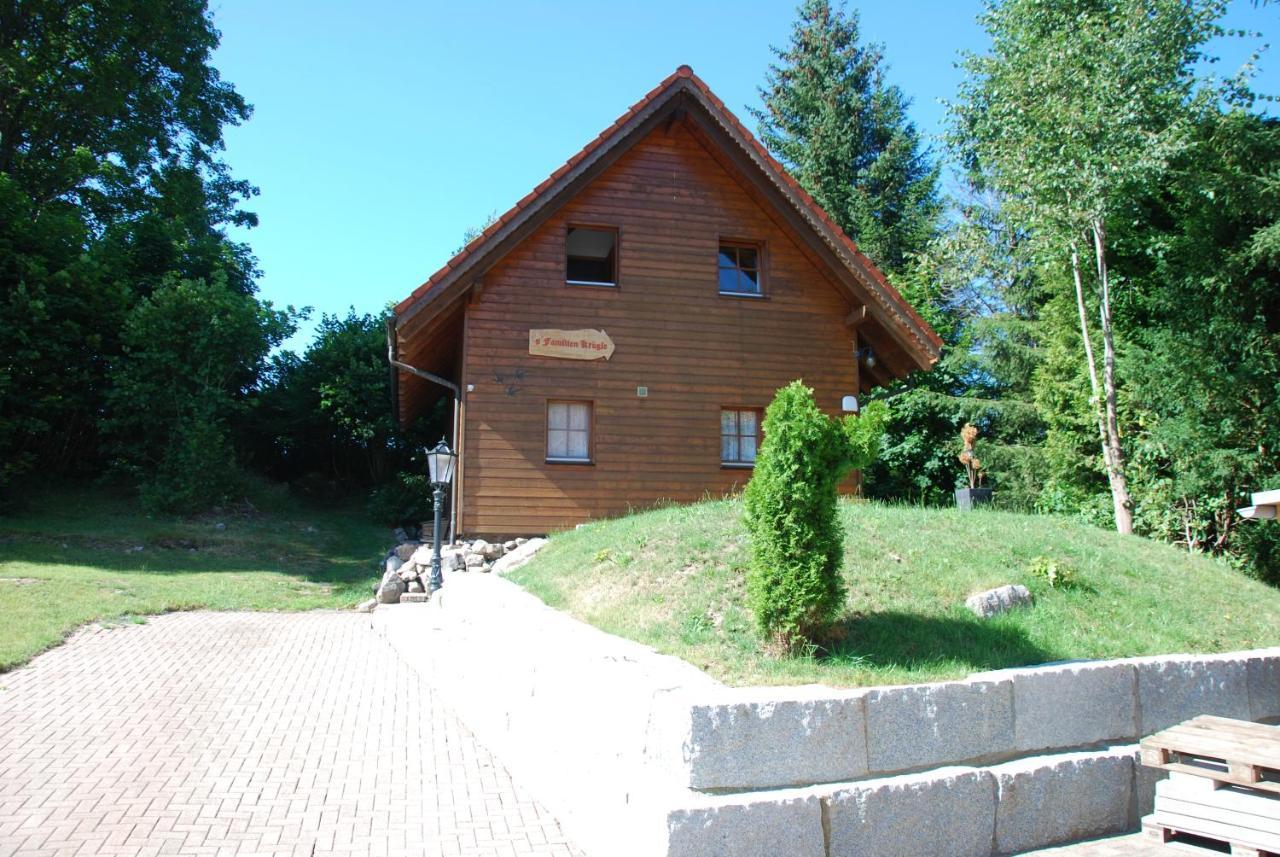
{"x": 674, "y": 578}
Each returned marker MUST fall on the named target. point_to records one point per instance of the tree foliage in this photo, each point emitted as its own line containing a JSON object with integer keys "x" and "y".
{"x": 794, "y": 584}
{"x": 1078, "y": 103}
{"x": 977, "y": 286}
{"x": 842, "y": 130}
{"x": 113, "y": 203}
{"x": 323, "y": 419}
{"x": 192, "y": 351}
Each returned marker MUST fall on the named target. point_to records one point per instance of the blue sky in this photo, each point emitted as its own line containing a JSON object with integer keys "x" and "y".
{"x": 384, "y": 129}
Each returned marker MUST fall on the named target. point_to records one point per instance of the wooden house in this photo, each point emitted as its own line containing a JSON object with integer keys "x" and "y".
{"x": 612, "y": 340}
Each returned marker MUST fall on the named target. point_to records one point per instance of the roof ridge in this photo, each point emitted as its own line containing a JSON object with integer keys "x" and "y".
{"x": 683, "y": 72}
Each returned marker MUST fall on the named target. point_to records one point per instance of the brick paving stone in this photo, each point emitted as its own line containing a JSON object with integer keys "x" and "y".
{"x": 248, "y": 733}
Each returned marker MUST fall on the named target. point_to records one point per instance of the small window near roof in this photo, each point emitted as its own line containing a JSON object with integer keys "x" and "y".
{"x": 592, "y": 256}
{"x": 739, "y": 269}
{"x": 739, "y": 435}
{"x": 569, "y": 431}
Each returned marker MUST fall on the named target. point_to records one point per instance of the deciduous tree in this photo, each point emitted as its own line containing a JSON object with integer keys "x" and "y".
{"x": 1078, "y": 103}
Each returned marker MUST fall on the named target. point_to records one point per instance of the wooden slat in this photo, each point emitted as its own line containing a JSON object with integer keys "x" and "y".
{"x": 1230, "y": 751}
{"x": 695, "y": 350}
{"x": 1165, "y": 828}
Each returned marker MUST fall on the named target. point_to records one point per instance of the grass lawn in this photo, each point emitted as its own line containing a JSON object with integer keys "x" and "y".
{"x": 674, "y": 578}
{"x": 76, "y": 556}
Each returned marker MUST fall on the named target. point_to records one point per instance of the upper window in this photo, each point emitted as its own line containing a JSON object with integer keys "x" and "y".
{"x": 739, "y": 435}
{"x": 592, "y": 256}
{"x": 739, "y": 269}
{"x": 569, "y": 431}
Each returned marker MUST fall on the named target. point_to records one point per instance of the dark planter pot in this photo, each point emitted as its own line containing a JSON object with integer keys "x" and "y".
{"x": 968, "y": 498}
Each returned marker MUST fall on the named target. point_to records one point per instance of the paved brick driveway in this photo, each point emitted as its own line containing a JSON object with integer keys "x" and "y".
{"x": 244, "y": 733}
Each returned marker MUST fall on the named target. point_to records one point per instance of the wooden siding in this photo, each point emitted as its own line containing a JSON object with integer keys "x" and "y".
{"x": 695, "y": 350}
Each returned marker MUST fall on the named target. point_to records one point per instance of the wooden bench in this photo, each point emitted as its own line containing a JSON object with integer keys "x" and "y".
{"x": 1223, "y": 789}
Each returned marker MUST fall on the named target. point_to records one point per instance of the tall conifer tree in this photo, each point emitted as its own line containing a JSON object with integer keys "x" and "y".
{"x": 842, "y": 130}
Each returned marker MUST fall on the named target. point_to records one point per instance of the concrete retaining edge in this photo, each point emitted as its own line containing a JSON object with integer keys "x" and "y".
{"x": 640, "y": 753}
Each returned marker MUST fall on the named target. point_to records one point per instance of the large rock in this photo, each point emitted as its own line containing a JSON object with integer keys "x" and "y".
{"x": 748, "y": 826}
{"x": 391, "y": 590}
{"x": 926, "y": 725}
{"x": 392, "y": 564}
{"x": 1072, "y": 704}
{"x": 756, "y": 738}
{"x": 405, "y": 550}
{"x": 474, "y": 561}
{"x": 487, "y": 550}
{"x": 1045, "y": 801}
{"x": 942, "y": 813}
{"x": 518, "y": 557}
{"x": 1171, "y": 691}
{"x": 998, "y": 600}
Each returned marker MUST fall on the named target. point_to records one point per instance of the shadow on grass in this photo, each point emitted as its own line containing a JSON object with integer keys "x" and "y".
{"x": 341, "y": 566}
{"x": 912, "y": 641}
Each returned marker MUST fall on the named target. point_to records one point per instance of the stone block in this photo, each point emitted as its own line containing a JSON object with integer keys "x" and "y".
{"x": 415, "y": 598}
{"x": 1073, "y": 705}
{"x": 522, "y": 554}
{"x": 1176, "y": 688}
{"x": 1043, "y": 801}
{"x": 948, "y": 812}
{"x": 757, "y": 825}
{"x": 772, "y": 737}
{"x": 927, "y": 725}
{"x": 1264, "y": 684}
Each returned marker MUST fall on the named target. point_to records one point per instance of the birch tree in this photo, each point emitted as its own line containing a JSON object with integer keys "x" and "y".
{"x": 1077, "y": 103}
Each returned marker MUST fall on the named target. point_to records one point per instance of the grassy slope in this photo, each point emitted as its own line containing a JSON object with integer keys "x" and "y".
{"x": 674, "y": 578}
{"x": 72, "y": 557}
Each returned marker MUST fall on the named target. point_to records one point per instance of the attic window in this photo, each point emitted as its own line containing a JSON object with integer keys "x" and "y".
{"x": 592, "y": 256}
{"x": 739, "y": 272}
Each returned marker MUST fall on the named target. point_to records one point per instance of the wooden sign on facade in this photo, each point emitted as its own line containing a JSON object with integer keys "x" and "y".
{"x": 570, "y": 344}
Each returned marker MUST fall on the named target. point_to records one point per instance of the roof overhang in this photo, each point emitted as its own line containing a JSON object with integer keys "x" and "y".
{"x": 683, "y": 95}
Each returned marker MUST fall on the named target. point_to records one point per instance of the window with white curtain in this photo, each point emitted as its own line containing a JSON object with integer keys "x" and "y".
{"x": 568, "y": 431}
{"x": 739, "y": 435}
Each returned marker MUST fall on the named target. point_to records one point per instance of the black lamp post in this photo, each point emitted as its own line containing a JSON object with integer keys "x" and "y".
{"x": 440, "y": 461}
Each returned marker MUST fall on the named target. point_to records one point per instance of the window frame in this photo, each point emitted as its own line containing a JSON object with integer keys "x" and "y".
{"x": 617, "y": 255}
{"x": 738, "y": 410}
{"x": 591, "y": 433}
{"x": 761, "y": 260}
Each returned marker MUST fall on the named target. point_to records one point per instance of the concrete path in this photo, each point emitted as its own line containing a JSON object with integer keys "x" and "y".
{"x": 247, "y": 733}
{"x": 1134, "y": 845}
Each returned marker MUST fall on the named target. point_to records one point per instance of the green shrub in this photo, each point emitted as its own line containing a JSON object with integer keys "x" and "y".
{"x": 405, "y": 501}
{"x": 196, "y": 471}
{"x": 1058, "y": 574}
{"x": 793, "y": 582}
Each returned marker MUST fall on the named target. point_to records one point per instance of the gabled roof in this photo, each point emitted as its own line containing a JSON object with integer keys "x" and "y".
{"x": 681, "y": 90}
